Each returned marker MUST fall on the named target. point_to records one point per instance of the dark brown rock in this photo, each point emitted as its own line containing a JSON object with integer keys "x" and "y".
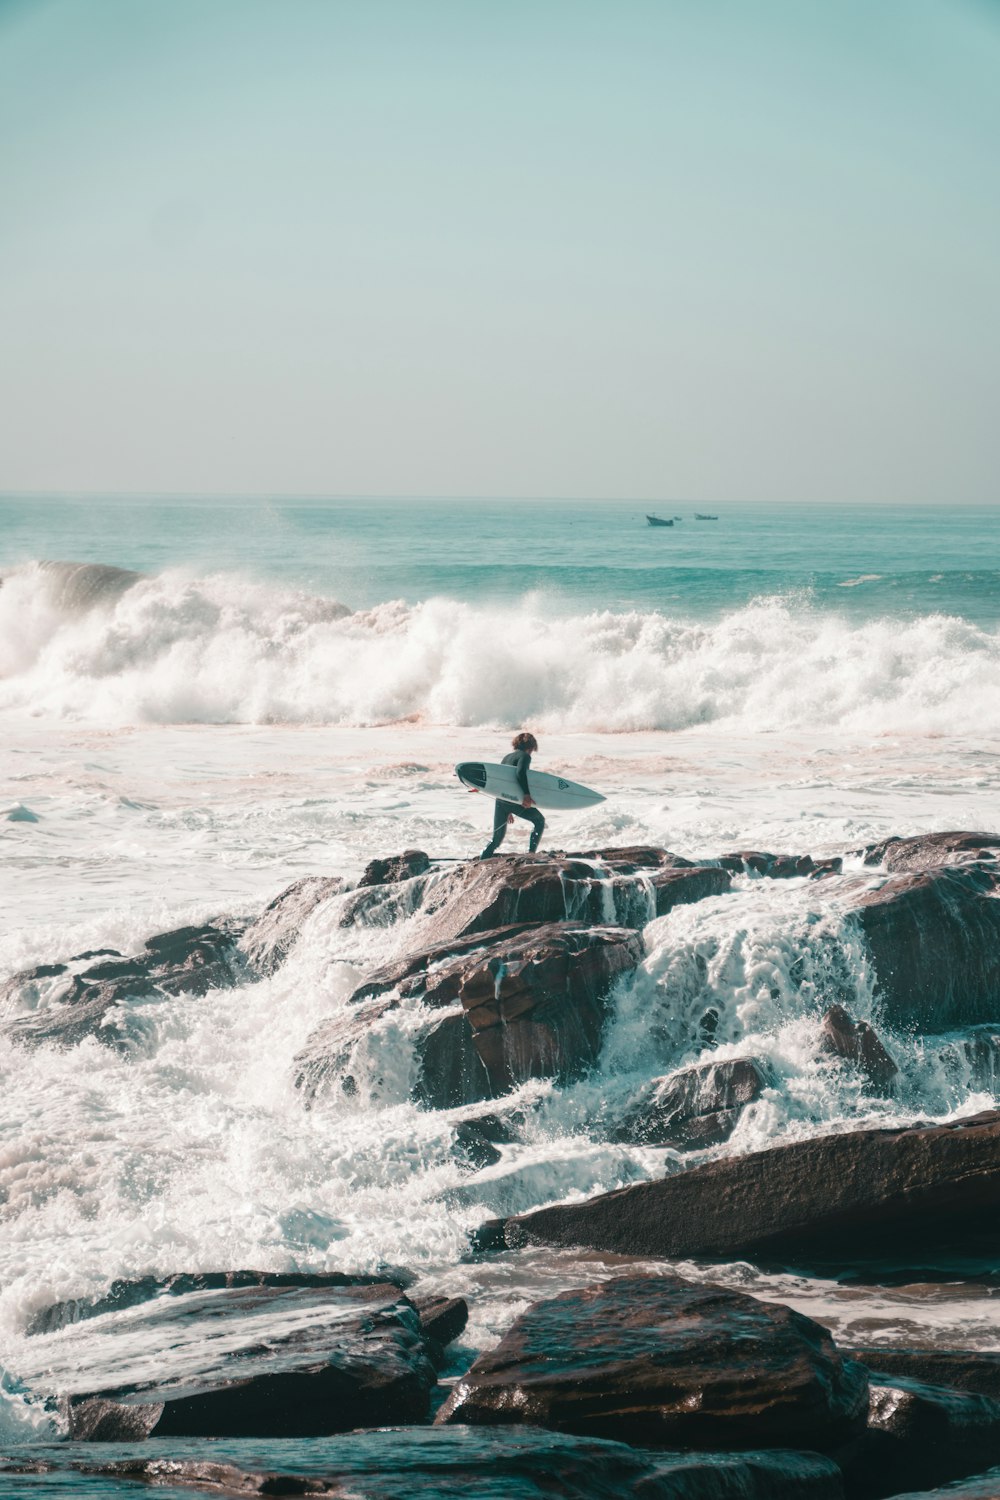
{"x": 505, "y": 891}
{"x": 858, "y": 1043}
{"x": 482, "y": 1463}
{"x": 443, "y": 1319}
{"x": 960, "y": 1369}
{"x": 658, "y": 1361}
{"x": 395, "y": 867}
{"x": 472, "y": 1149}
{"x": 267, "y": 942}
{"x": 779, "y": 866}
{"x": 107, "y": 999}
{"x": 521, "y": 1003}
{"x": 698, "y": 1106}
{"x": 934, "y": 939}
{"x": 920, "y": 1435}
{"x": 834, "y": 1200}
{"x": 251, "y": 1361}
{"x": 927, "y": 851}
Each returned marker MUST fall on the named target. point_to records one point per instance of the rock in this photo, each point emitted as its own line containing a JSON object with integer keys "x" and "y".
{"x": 662, "y": 1362}
{"x": 959, "y": 1369}
{"x": 982, "y": 1487}
{"x": 858, "y": 1043}
{"x": 834, "y": 1200}
{"x": 443, "y": 1319}
{"x": 630, "y": 859}
{"x": 779, "y": 866}
{"x": 441, "y": 1462}
{"x": 395, "y": 867}
{"x": 697, "y": 1106}
{"x": 472, "y": 1148}
{"x": 920, "y": 1435}
{"x": 122, "y": 1294}
{"x": 927, "y": 851}
{"x": 522, "y": 1003}
{"x": 71, "y": 1001}
{"x": 267, "y": 942}
{"x": 248, "y": 1361}
{"x": 934, "y": 939}
{"x": 504, "y": 891}
{"x": 500, "y": 1130}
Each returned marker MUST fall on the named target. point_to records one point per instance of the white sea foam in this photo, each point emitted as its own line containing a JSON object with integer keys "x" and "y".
{"x": 113, "y": 648}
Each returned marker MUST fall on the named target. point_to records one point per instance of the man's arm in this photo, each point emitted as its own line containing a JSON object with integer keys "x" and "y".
{"x": 521, "y": 772}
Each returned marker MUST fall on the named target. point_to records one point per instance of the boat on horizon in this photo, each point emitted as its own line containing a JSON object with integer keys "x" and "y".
{"x": 657, "y": 521}
{"x": 699, "y": 517}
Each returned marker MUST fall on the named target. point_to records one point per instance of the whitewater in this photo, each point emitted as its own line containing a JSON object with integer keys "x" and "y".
{"x": 183, "y": 735}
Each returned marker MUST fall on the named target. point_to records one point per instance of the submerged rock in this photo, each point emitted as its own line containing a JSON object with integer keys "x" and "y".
{"x": 71, "y": 1001}
{"x": 698, "y": 1106}
{"x": 858, "y": 1043}
{"x": 523, "y": 1463}
{"x": 658, "y": 1361}
{"x": 834, "y": 1200}
{"x": 254, "y": 1361}
{"x": 934, "y": 939}
{"x": 516, "y": 1004}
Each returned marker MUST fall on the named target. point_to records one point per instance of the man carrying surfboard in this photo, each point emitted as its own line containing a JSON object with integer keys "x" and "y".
{"x": 524, "y": 745}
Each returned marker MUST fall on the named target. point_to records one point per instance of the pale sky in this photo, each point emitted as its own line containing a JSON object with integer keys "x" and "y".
{"x": 712, "y": 249}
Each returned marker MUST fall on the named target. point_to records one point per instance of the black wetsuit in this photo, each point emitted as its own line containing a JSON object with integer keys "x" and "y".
{"x": 520, "y": 760}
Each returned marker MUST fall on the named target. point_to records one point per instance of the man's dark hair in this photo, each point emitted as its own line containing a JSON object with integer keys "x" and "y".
{"x": 525, "y": 741}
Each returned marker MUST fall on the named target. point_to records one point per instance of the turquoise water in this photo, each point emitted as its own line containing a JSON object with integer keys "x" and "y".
{"x": 855, "y": 560}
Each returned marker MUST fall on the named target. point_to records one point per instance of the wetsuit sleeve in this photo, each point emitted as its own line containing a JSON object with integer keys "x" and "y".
{"x": 521, "y": 765}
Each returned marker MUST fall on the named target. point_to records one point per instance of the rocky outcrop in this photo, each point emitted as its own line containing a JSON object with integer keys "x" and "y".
{"x": 981, "y": 1487}
{"x": 469, "y": 1461}
{"x": 658, "y": 1361}
{"x": 920, "y": 1435}
{"x": 517, "y": 1004}
{"x": 267, "y": 942}
{"x": 927, "y": 851}
{"x": 860, "y": 1044}
{"x": 833, "y": 1200}
{"x": 959, "y": 1369}
{"x": 697, "y": 1106}
{"x": 443, "y": 1320}
{"x": 251, "y": 1361}
{"x": 395, "y": 867}
{"x": 780, "y": 866}
{"x": 507, "y": 890}
{"x": 66, "y": 1002}
{"x": 934, "y": 940}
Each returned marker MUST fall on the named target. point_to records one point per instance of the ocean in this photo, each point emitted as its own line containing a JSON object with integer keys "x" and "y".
{"x": 202, "y": 701}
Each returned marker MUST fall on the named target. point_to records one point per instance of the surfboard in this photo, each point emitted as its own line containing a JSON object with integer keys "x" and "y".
{"x": 501, "y": 782}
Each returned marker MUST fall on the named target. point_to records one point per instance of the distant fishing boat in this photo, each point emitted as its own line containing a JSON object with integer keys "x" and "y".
{"x": 704, "y": 518}
{"x": 658, "y": 521}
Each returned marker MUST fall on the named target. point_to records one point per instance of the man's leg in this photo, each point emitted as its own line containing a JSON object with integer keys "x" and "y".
{"x": 537, "y": 830}
{"x": 501, "y": 812}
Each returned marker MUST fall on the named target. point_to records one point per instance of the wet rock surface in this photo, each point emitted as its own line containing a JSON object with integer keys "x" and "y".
{"x": 438, "y": 1462}
{"x": 527, "y": 1002}
{"x": 833, "y": 1199}
{"x": 934, "y": 940}
{"x": 926, "y": 851}
{"x": 659, "y": 1361}
{"x": 66, "y": 1002}
{"x": 698, "y": 1106}
{"x": 395, "y": 867}
{"x": 920, "y": 1434}
{"x": 860, "y": 1044}
{"x": 267, "y": 942}
{"x": 958, "y": 1369}
{"x": 242, "y": 1361}
{"x": 779, "y": 866}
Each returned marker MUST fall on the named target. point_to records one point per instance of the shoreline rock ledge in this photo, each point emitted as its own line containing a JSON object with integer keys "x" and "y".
{"x": 832, "y": 1199}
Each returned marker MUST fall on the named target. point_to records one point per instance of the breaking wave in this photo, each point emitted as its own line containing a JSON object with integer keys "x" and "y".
{"x": 100, "y": 644}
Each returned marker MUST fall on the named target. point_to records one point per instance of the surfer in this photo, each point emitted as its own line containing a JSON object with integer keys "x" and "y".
{"x": 524, "y": 745}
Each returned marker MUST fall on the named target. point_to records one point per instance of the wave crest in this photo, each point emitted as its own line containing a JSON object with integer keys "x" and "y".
{"x": 99, "y": 644}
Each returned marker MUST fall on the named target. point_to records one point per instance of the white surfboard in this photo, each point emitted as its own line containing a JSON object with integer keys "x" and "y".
{"x": 501, "y": 782}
